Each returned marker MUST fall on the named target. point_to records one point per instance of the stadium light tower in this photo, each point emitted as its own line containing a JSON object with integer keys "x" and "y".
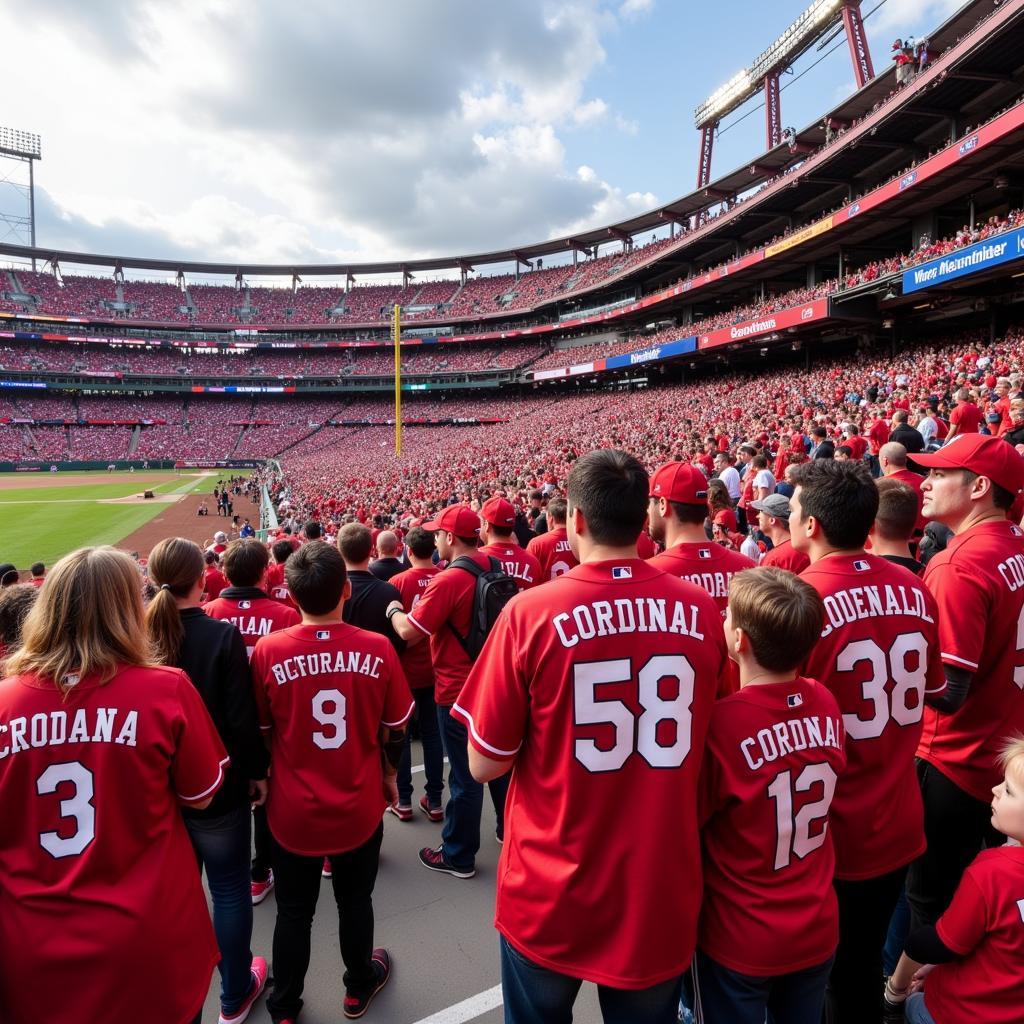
{"x": 767, "y": 67}
{"x": 18, "y": 152}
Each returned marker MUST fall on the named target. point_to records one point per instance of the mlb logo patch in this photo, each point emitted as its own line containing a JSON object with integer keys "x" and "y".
{"x": 245, "y": 604}
{"x": 794, "y": 700}
{"x": 622, "y": 572}
{"x": 703, "y": 552}
{"x": 861, "y": 566}
{"x": 657, "y": 488}
{"x": 1016, "y": 531}
{"x": 323, "y": 634}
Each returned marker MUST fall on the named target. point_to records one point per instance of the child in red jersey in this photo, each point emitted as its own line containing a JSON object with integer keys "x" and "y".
{"x": 769, "y": 922}
{"x": 976, "y": 950}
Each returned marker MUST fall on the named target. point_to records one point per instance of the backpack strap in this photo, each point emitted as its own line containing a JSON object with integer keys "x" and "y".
{"x": 467, "y": 564}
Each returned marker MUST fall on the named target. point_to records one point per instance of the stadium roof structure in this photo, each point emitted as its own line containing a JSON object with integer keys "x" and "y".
{"x": 766, "y": 166}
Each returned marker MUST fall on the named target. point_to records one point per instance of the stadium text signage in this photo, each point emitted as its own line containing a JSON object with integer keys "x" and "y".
{"x": 751, "y": 329}
{"x": 980, "y": 256}
{"x": 654, "y": 354}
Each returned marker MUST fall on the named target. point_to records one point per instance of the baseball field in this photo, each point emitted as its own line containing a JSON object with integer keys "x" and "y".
{"x": 45, "y": 515}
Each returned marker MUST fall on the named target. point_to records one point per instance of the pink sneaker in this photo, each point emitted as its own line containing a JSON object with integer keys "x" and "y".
{"x": 259, "y": 983}
{"x": 433, "y": 813}
{"x": 261, "y": 890}
{"x": 326, "y": 870}
{"x": 403, "y": 812}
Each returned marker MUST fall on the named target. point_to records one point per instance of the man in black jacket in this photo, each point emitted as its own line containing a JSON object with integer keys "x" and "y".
{"x": 388, "y": 564}
{"x": 823, "y": 447}
{"x": 906, "y": 435}
{"x": 370, "y": 597}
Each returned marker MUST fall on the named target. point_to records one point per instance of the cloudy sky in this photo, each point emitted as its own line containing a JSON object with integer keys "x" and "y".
{"x": 336, "y": 130}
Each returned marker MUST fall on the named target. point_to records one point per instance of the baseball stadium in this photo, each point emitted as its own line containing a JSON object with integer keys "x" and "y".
{"x": 847, "y": 295}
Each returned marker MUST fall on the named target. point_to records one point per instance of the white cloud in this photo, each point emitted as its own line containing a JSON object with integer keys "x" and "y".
{"x": 905, "y": 17}
{"x": 246, "y": 132}
{"x": 634, "y": 8}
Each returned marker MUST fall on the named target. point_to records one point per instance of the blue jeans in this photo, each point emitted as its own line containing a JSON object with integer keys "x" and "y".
{"x": 536, "y": 995}
{"x": 915, "y": 1010}
{"x": 899, "y": 930}
{"x": 222, "y": 847}
{"x": 728, "y": 996}
{"x": 433, "y": 754}
{"x": 460, "y": 836}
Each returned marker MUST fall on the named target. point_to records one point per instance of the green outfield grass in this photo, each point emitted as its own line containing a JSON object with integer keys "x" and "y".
{"x": 46, "y": 522}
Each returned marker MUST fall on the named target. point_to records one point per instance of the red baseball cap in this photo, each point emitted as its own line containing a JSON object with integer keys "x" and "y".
{"x": 982, "y": 454}
{"x": 458, "y": 519}
{"x": 678, "y": 481}
{"x": 498, "y": 511}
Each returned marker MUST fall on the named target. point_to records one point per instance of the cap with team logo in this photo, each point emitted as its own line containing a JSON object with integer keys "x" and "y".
{"x": 460, "y": 520}
{"x": 981, "y": 454}
{"x": 680, "y": 482}
{"x": 774, "y": 505}
{"x": 498, "y": 511}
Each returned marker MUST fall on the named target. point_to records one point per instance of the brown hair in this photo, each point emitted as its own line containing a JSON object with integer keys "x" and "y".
{"x": 175, "y": 565}
{"x": 15, "y": 604}
{"x": 718, "y": 496}
{"x": 780, "y": 613}
{"x": 86, "y": 621}
{"x": 355, "y": 543}
{"x": 244, "y": 562}
{"x": 897, "y": 510}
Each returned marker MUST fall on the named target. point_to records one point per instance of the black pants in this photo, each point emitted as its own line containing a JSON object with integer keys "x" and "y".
{"x": 855, "y": 985}
{"x": 297, "y": 889}
{"x": 261, "y": 844}
{"x": 957, "y": 826}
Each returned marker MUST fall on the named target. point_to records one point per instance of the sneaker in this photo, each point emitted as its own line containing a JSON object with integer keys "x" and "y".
{"x": 261, "y": 890}
{"x": 259, "y": 983}
{"x": 500, "y": 838}
{"x": 433, "y": 813}
{"x": 355, "y": 1006}
{"x": 437, "y": 861}
{"x": 403, "y": 812}
{"x": 325, "y": 871}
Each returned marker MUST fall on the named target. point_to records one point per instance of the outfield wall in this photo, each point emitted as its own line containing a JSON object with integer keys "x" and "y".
{"x": 78, "y": 466}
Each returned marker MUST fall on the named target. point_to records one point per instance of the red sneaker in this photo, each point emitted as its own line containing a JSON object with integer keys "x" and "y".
{"x": 326, "y": 870}
{"x": 433, "y": 813}
{"x": 435, "y": 860}
{"x": 259, "y": 983}
{"x": 356, "y": 1005}
{"x": 261, "y": 890}
{"x": 403, "y": 812}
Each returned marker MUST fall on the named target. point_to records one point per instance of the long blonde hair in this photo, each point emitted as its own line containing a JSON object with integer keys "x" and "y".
{"x": 87, "y": 620}
{"x": 175, "y": 565}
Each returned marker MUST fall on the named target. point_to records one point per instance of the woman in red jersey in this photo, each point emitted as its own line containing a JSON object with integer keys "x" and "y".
{"x": 102, "y": 915}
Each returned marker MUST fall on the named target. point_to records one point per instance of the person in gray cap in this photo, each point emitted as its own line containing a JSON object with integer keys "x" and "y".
{"x": 773, "y": 522}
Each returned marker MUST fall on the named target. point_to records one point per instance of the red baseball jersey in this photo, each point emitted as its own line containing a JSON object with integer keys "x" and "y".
{"x": 773, "y": 756}
{"x": 967, "y": 416}
{"x": 879, "y": 655}
{"x": 101, "y": 907}
{"x": 448, "y": 598}
{"x": 517, "y": 562}
{"x": 277, "y": 586}
{"x": 710, "y": 566}
{"x": 913, "y": 481}
{"x": 858, "y": 445}
{"x": 985, "y": 925}
{"x": 978, "y": 583}
{"x": 601, "y": 685}
{"x": 323, "y": 692}
{"x": 416, "y": 663}
{"x": 552, "y": 550}
{"x": 785, "y": 556}
{"x": 213, "y": 583}
{"x": 253, "y": 616}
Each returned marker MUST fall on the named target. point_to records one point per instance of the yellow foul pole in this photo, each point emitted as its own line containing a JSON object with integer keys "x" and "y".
{"x": 396, "y": 334}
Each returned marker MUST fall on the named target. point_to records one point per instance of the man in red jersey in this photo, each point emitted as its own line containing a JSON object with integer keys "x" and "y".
{"x": 773, "y": 515}
{"x": 978, "y": 582}
{"x": 893, "y": 460}
{"x": 879, "y": 655}
{"x": 213, "y": 579}
{"x": 552, "y": 548}
{"x": 444, "y": 614}
{"x": 419, "y": 671}
{"x": 335, "y": 702}
{"x": 769, "y": 920}
{"x": 678, "y": 508}
{"x": 275, "y": 583}
{"x": 965, "y": 418}
{"x": 596, "y": 690}
{"x": 244, "y": 604}
{"x": 497, "y": 523}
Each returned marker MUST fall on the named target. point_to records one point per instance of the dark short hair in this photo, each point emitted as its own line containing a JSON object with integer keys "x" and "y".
{"x": 557, "y": 510}
{"x": 610, "y": 488}
{"x": 819, "y": 432}
{"x": 845, "y": 449}
{"x": 781, "y": 614}
{"x": 420, "y": 542}
{"x": 316, "y": 577}
{"x": 1001, "y": 497}
{"x": 211, "y": 558}
{"x": 281, "y": 550}
{"x": 37, "y": 568}
{"x": 841, "y": 496}
{"x": 690, "y": 514}
{"x": 312, "y": 530}
{"x": 897, "y": 509}
{"x": 355, "y": 542}
{"x": 15, "y": 603}
{"x": 245, "y": 561}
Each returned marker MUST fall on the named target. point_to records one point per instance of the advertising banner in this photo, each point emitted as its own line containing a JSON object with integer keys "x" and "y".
{"x": 749, "y": 330}
{"x": 970, "y": 260}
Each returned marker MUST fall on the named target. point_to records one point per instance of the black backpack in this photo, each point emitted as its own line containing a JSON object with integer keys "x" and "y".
{"x": 494, "y": 590}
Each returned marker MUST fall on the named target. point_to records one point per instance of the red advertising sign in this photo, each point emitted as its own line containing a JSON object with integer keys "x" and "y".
{"x": 750, "y": 330}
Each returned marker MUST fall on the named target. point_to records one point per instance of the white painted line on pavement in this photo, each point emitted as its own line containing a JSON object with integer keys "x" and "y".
{"x": 420, "y": 767}
{"x": 468, "y": 1009}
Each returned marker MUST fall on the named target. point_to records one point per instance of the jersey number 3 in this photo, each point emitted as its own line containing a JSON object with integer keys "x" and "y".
{"x": 632, "y": 733}
{"x": 78, "y": 806}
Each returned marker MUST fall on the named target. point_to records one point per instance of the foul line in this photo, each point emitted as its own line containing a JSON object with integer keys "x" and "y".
{"x": 468, "y": 1009}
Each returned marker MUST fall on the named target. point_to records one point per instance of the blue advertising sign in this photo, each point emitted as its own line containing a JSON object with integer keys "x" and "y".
{"x": 681, "y": 347}
{"x": 980, "y": 256}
